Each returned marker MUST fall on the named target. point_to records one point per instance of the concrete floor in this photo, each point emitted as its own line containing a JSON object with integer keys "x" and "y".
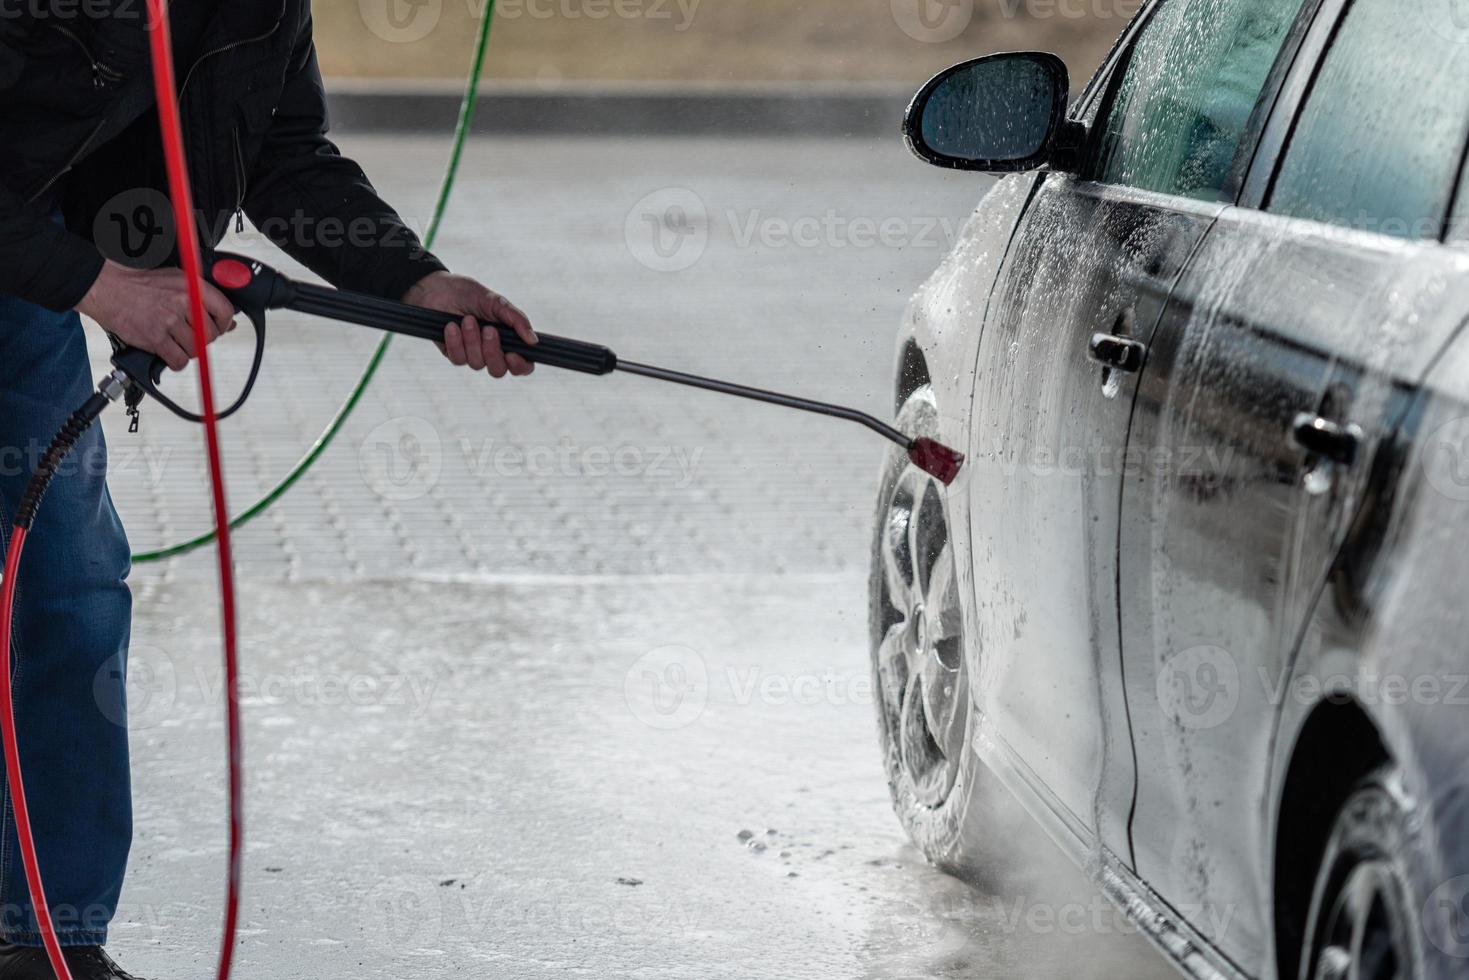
{"x": 570, "y": 675}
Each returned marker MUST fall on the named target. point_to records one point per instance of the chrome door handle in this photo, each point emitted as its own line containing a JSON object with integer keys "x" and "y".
{"x": 1325, "y": 438}
{"x": 1118, "y": 353}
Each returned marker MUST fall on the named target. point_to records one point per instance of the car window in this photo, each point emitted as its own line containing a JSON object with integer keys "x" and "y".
{"x": 1459, "y": 220}
{"x": 1185, "y": 100}
{"x": 1379, "y": 142}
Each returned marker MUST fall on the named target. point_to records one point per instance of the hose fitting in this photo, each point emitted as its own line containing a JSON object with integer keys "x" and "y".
{"x": 109, "y": 390}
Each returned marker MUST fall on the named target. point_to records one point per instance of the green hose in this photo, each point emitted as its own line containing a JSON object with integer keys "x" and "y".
{"x": 334, "y": 427}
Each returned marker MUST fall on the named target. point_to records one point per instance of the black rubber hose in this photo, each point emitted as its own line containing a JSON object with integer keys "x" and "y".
{"x": 66, "y": 439}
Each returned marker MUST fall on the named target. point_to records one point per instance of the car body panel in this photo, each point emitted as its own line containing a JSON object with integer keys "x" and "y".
{"x": 1048, "y": 434}
{"x": 1227, "y": 538}
{"x": 943, "y": 323}
{"x": 1388, "y": 631}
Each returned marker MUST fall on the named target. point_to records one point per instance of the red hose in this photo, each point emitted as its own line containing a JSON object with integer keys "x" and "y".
{"x": 188, "y": 244}
{"x": 12, "y": 764}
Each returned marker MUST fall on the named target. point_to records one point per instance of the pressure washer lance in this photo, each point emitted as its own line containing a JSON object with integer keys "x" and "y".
{"x": 255, "y": 287}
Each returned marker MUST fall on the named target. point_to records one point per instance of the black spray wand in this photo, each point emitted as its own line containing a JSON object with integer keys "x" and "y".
{"x": 255, "y": 287}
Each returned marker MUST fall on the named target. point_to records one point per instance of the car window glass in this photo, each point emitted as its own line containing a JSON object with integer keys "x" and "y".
{"x": 1459, "y": 220}
{"x": 1381, "y": 137}
{"x": 1185, "y": 100}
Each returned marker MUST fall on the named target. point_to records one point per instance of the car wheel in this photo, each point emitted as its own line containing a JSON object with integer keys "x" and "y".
{"x": 1364, "y": 922}
{"x": 920, "y": 680}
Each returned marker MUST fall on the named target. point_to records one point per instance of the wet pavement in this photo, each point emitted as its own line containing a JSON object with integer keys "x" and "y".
{"x": 569, "y": 676}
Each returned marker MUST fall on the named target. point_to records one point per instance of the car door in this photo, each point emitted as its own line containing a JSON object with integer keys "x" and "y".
{"x": 1280, "y": 365}
{"x": 1086, "y": 280}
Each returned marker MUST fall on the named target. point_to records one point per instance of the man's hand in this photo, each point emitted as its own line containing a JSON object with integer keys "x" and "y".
{"x": 149, "y": 309}
{"x": 470, "y": 343}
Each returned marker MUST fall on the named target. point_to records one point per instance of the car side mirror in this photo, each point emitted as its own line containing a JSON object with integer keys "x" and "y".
{"x": 999, "y": 114}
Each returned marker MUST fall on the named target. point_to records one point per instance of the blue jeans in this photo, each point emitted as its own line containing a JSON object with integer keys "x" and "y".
{"x": 69, "y": 643}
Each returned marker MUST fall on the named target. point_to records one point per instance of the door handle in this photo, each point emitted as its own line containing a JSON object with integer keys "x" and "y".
{"x": 1118, "y": 353}
{"x": 1322, "y": 437}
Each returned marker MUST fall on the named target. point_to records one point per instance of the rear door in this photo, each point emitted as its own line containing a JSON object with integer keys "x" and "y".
{"x": 1277, "y": 369}
{"x": 1086, "y": 281}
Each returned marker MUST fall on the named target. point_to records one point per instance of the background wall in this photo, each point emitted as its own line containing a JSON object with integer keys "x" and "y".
{"x": 708, "y": 40}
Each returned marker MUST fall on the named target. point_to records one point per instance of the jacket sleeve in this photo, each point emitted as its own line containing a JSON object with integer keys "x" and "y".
{"x": 319, "y": 206}
{"x": 40, "y": 261}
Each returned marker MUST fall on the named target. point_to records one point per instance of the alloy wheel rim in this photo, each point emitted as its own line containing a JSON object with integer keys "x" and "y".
{"x": 920, "y": 658}
{"x": 1365, "y": 934}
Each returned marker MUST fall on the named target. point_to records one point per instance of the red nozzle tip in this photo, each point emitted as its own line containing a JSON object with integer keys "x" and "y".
{"x": 936, "y": 459}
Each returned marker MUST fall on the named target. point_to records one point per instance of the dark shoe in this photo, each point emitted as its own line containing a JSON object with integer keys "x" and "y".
{"x": 86, "y": 963}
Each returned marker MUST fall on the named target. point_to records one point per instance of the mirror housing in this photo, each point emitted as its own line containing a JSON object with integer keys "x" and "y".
{"x": 1003, "y": 113}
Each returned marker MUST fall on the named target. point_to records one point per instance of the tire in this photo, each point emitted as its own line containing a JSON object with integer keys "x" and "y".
{"x": 1365, "y": 919}
{"x": 920, "y": 678}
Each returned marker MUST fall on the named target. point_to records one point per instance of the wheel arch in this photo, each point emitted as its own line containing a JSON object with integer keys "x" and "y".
{"x": 912, "y": 373}
{"x": 1338, "y": 744}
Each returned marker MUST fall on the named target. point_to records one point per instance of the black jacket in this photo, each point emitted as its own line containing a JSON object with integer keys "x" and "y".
{"x": 78, "y": 130}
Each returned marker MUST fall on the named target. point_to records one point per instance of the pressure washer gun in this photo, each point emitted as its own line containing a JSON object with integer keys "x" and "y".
{"x": 254, "y": 288}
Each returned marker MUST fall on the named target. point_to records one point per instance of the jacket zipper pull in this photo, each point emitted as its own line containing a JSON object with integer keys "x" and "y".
{"x": 239, "y": 221}
{"x": 133, "y": 399}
